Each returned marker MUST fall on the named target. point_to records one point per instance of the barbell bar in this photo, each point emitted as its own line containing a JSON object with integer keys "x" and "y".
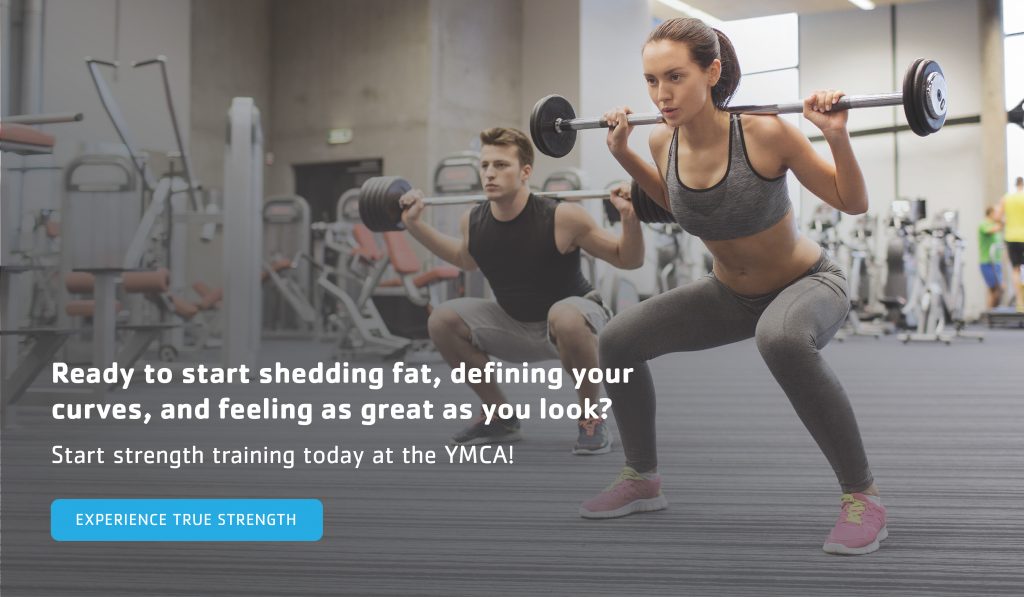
{"x": 381, "y": 211}
{"x": 553, "y": 123}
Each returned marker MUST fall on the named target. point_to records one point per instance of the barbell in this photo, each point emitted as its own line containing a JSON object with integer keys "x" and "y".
{"x": 381, "y": 211}
{"x": 553, "y": 123}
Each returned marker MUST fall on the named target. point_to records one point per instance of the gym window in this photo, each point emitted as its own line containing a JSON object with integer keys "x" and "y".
{"x": 1013, "y": 59}
{"x": 769, "y": 53}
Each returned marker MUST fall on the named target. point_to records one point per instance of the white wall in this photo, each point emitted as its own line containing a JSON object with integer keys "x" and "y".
{"x": 1014, "y": 64}
{"x": 865, "y": 65}
{"x": 611, "y": 74}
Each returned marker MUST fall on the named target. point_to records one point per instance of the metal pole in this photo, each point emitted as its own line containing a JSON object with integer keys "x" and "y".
{"x": 845, "y": 103}
{"x": 186, "y": 163}
{"x": 564, "y": 195}
{"x": 51, "y": 118}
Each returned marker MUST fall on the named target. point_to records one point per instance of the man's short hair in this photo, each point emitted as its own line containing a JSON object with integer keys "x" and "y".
{"x": 510, "y": 138}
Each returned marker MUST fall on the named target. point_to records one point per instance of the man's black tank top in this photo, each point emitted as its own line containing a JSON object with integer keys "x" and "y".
{"x": 521, "y": 262}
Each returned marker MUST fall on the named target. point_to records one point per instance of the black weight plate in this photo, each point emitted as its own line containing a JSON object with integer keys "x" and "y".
{"x": 365, "y": 205}
{"x": 387, "y": 215}
{"x": 394, "y": 188}
{"x": 542, "y": 126}
{"x": 639, "y": 206}
{"x": 910, "y": 106}
{"x": 646, "y": 209}
{"x": 1016, "y": 115}
{"x": 371, "y": 200}
{"x": 936, "y": 102}
{"x": 930, "y": 124}
{"x": 371, "y": 205}
{"x": 661, "y": 215}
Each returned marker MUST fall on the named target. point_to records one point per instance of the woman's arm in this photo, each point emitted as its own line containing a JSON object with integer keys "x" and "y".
{"x": 841, "y": 184}
{"x": 647, "y": 176}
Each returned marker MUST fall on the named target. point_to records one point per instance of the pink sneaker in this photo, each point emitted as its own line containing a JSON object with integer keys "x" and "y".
{"x": 630, "y": 493}
{"x": 860, "y": 527}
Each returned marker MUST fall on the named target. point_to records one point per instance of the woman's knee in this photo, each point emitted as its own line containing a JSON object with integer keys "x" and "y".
{"x": 776, "y": 340}
{"x": 616, "y": 343}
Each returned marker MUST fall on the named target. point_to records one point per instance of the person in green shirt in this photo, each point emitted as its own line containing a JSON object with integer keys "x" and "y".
{"x": 990, "y": 255}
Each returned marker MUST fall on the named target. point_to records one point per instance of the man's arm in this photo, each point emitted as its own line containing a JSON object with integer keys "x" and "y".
{"x": 997, "y": 215}
{"x": 992, "y": 227}
{"x": 624, "y": 252}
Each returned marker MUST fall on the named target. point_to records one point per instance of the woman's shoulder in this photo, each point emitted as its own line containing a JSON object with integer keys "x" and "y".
{"x": 766, "y": 128}
{"x": 661, "y": 134}
{"x": 769, "y": 133}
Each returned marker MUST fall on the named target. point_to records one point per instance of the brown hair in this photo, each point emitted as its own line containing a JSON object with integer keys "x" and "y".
{"x": 510, "y": 138}
{"x": 705, "y": 43}
{"x": 1020, "y": 181}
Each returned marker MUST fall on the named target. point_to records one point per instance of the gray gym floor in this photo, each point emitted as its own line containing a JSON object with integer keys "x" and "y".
{"x": 751, "y": 496}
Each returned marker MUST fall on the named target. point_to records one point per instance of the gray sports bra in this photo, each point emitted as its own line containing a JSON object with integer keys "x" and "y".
{"x": 741, "y": 204}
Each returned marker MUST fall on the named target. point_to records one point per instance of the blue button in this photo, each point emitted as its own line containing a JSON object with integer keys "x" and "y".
{"x": 186, "y": 520}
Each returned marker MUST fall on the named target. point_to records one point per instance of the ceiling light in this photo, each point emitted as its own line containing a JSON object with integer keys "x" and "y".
{"x": 863, "y": 4}
{"x": 690, "y": 10}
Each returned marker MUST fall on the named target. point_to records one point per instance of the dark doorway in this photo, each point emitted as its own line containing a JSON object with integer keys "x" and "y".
{"x": 322, "y": 184}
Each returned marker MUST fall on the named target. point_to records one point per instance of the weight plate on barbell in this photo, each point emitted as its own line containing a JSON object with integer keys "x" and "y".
{"x": 364, "y": 206}
{"x": 641, "y": 203}
{"x": 382, "y": 201}
{"x": 646, "y": 209}
{"x": 373, "y": 208}
{"x": 639, "y": 200}
{"x": 549, "y": 140}
{"x": 367, "y": 212}
{"x": 394, "y": 188}
{"x": 929, "y": 80}
{"x": 1016, "y": 115}
{"x": 935, "y": 85}
{"x": 910, "y": 106}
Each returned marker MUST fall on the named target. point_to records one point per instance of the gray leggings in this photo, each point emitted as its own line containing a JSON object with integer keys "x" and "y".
{"x": 790, "y": 326}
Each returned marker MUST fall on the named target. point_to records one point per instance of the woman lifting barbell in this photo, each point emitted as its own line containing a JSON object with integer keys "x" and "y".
{"x": 723, "y": 177}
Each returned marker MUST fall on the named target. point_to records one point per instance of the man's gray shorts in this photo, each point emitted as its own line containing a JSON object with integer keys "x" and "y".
{"x": 498, "y": 334}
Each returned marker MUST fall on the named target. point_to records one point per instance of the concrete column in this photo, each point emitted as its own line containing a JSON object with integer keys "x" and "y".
{"x": 32, "y": 58}
{"x": 550, "y": 62}
{"x": 6, "y": 29}
{"x": 993, "y": 101}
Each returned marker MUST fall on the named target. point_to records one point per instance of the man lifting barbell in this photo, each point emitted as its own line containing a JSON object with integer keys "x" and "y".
{"x": 528, "y": 248}
{"x": 723, "y": 176}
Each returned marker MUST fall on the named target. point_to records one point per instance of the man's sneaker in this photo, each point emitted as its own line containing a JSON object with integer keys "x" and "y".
{"x": 594, "y": 437}
{"x": 479, "y": 432}
{"x": 631, "y": 492}
{"x": 860, "y": 527}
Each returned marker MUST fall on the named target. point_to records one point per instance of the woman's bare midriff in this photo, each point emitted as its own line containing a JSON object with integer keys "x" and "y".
{"x": 766, "y": 261}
